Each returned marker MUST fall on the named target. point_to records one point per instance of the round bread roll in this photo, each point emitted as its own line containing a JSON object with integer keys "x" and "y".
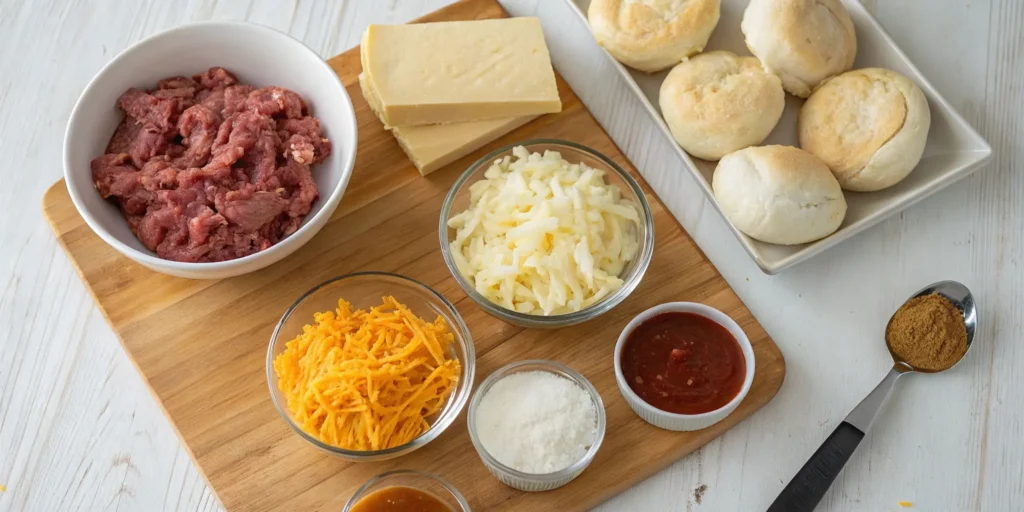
{"x": 716, "y": 102}
{"x": 652, "y": 35}
{"x": 779, "y": 194}
{"x": 869, "y": 126}
{"x": 802, "y": 41}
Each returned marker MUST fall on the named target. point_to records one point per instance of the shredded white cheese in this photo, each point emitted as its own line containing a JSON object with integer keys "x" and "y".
{"x": 544, "y": 236}
{"x": 536, "y": 422}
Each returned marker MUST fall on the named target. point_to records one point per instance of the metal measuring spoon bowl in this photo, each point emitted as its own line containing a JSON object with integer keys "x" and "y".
{"x": 812, "y": 481}
{"x": 962, "y": 299}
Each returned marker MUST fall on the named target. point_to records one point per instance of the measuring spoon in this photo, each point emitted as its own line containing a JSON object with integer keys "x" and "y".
{"x": 808, "y": 486}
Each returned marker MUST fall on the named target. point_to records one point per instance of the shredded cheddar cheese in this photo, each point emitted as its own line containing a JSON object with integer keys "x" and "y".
{"x": 367, "y": 380}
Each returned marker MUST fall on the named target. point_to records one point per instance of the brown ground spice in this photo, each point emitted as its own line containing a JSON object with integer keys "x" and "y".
{"x": 928, "y": 332}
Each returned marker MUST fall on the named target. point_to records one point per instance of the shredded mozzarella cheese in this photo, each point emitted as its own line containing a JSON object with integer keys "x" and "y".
{"x": 544, "y": 236}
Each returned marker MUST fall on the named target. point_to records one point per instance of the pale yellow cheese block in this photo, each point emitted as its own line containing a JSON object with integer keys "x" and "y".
{"x": 456, "y": 71}
{"x": 433, "y": 146}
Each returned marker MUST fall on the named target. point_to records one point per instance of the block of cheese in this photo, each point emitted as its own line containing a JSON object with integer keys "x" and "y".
{"x": 433, "y": 146}
{"x": 455, "y": 71}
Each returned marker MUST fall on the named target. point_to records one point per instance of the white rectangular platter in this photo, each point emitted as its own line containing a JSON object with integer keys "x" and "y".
{"x": 954, "y": 149}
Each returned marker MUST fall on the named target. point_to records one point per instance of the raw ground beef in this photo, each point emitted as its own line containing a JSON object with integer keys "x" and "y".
{"x": 207, "y": 169}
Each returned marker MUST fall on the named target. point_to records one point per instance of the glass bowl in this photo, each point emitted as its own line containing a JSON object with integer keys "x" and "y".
{"x": 534, "y": 482}
{"x": 457, "y": 201}
{"x": 435, "y": 485}
{"x": 365, "y": 289}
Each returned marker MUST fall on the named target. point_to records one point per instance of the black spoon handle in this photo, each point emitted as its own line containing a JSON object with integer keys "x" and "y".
{"x": 812, "y": 481}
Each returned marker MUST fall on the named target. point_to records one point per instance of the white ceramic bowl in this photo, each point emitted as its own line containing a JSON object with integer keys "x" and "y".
{"x": 257, "y": 55}
{"x": 670, "y": 420}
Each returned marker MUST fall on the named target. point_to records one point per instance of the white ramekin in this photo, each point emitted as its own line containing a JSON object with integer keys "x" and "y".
{"x": 531, "y": 482}
{"x": 670, "y": 420}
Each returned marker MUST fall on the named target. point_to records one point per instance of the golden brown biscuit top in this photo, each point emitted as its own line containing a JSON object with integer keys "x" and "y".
{"x": 643, "y": 23}
{"x": 786, "y": 164}
{"x": 716, "y": 81}
{"x": 849, "y": 117}
{"x": 820, "y": 32}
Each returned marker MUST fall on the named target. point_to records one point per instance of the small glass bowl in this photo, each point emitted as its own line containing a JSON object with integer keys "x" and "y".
{"x": 363, "y": 290}
{"x": 457, "y": 201}
{"x": 533, "y": 482}
{"x": 433, "y": 484}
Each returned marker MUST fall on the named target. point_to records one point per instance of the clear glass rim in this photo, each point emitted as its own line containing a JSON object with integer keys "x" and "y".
{"x": 445, "y": 418}
{"x": 629, "y": 281}
{"x": 552, "y": 367}
{"x": 459, "y": 498}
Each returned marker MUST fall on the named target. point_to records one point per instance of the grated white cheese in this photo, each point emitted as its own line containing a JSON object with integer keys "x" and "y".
{"x": 544, "y": 236}
{"x": 536, "y": 422}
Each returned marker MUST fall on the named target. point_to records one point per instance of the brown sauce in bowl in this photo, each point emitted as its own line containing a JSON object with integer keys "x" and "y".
{"x": 683, "y": 363}
{"x": 400, "y": 499}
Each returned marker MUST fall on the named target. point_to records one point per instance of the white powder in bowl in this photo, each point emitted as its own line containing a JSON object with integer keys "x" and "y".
{"x": 536, "y": 422}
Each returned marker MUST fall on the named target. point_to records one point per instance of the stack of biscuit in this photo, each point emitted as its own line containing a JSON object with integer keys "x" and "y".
{"x": 861, "y": 130}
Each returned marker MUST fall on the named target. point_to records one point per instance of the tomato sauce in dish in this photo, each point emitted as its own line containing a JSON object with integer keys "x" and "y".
{"x": 400, "y": 499}
{"x": 683, "y": 363}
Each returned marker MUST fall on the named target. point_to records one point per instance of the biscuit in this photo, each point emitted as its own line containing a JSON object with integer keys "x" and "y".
{"x": 801, "y": 41}
{"x": 651, "y": 35}
{"x": 716, "y": 103}
{"x": 870, "y": 127}
{"x": 778, "y": 194}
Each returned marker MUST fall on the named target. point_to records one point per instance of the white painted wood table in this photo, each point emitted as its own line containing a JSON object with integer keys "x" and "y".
{"x": 78, "y": 430}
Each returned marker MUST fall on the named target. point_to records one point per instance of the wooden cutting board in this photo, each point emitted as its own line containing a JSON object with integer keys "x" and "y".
{"x": 201, "y": 345}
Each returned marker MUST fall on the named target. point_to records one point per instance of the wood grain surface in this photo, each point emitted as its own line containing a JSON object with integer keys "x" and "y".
{"x": 201, "y": 345}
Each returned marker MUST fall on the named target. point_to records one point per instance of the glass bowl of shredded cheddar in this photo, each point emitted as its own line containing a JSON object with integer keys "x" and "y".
{"x": 370, "y": 366}
{"x": 546, "y": 233}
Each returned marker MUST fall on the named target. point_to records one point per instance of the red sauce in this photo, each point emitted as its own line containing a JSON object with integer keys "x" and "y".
{"x": 683, "y": 363}
{"x": 400, "y": 499}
